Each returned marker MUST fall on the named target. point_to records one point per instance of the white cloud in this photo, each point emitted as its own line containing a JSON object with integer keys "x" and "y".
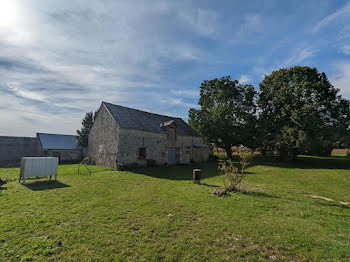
{"x": 16, "y": 89}
{"x": 244, "y": 79}
{"x": 177, "y": 101}
{"x": 203, "y": 22}
{"x": 25, "y": 119}
{"x": 61, "y": 59}
{"x": 340, "y": 78}
{"x": 345, "y": 49}
{"x": 189, "y": 93}
{"x": 252, "y": 20}
{"x": 247, "y": 31}
{"x": 298, "y": 56}
{"x": 344, "y": 11}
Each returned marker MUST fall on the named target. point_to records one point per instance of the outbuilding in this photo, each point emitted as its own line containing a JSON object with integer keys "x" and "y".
{"x": 65, "y": 147}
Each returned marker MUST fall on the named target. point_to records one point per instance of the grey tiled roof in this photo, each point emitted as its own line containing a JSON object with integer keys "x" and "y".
{"x": 58, "y": 142}
{"x": 140, "y": 120}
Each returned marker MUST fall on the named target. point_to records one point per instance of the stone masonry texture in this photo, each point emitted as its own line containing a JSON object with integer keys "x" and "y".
{"x": 12, "y": 149}
{"x": 109, "y": 144}
{"x": 103, "y": 143}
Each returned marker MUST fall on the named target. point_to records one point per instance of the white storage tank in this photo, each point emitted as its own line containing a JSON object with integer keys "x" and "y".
{"x": 38, "y": 167}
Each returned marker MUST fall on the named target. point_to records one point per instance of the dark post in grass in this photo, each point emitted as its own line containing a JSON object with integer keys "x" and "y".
{"x": 197, "y": 173}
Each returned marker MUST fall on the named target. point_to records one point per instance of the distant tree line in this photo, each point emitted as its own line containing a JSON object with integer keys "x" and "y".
{"x": 296, "y": 111}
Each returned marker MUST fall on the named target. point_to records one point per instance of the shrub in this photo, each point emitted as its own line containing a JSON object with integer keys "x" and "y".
{"x": 231, "y": 176}
{"x": 245, "y": 155}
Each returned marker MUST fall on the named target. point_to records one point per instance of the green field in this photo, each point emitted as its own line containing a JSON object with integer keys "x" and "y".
{"x": 158, "y": 214}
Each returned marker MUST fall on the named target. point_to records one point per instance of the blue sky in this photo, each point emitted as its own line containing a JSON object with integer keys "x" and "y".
{"x": 60, "y": 59}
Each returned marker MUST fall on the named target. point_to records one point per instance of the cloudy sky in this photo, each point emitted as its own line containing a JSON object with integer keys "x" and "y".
{"x": 60, "y": 59}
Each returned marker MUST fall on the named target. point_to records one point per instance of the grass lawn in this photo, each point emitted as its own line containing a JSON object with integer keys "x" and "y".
{"x": 159, "y": 214}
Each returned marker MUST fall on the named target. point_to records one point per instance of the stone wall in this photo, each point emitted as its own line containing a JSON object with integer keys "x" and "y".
{"x": 12, "y": 149}
{"x": 64, "y": 156}
{"x": 157, "y": 147}
{"x": 103, "y": 142}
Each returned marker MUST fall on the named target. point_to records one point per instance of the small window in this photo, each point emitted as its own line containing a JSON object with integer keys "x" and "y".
{"x": 142, "y": 153}
{"x": 171, "y": 133}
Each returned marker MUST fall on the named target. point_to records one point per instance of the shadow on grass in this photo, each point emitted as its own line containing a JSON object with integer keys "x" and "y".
{"x": 45, "y": 185}
{"x": 257, "y": 194}
{"x": 243, "y": 191}
{"x": 179, "y": 172}
{"x": 205, "y": 184}
{"x": 303, "y": 162}
{"x": 331, "y": 204}
{"x": 209, "y": 169}
{"x": 309, "y": 162}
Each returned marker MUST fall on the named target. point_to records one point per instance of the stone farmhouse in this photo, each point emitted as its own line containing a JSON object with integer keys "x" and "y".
{"x": 124, "y": 136}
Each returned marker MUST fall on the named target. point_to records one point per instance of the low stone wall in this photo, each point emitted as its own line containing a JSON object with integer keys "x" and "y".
{"x": 12, "y": 149}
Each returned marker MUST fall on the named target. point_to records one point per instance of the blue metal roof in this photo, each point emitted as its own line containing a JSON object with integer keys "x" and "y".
{"x": 59, "y": 142}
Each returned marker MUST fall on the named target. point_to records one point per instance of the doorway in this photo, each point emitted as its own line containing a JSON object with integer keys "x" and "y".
{"x": 172, "y": 156}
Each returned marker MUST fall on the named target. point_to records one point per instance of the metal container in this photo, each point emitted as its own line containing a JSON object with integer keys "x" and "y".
{"x": 197, "y": 174}
{"x": 38, "y": 167}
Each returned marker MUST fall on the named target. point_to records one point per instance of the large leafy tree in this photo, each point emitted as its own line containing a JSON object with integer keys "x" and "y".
{"x": 301, "y": 112}
{"x": 83, "y": 133}
{"x": 227, "y": 113}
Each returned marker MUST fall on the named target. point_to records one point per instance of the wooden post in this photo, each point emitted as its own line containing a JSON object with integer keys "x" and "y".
{"x": 21, "y": 171}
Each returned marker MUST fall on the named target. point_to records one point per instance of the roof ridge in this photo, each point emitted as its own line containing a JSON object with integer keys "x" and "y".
{"x": 173, "y": 117}
{"x": 55, "y": 134}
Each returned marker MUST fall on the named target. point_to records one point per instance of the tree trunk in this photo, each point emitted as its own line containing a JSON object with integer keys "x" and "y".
{"x": 228, "y": 150}
{"x": 284, "y": 155}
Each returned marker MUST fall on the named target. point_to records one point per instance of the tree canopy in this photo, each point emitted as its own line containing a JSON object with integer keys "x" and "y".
{"x": 301, "y": 112}
{"x": 227, "y": 113}
{"x": 298, "y": 111}
{"x": 83, "y": 133}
